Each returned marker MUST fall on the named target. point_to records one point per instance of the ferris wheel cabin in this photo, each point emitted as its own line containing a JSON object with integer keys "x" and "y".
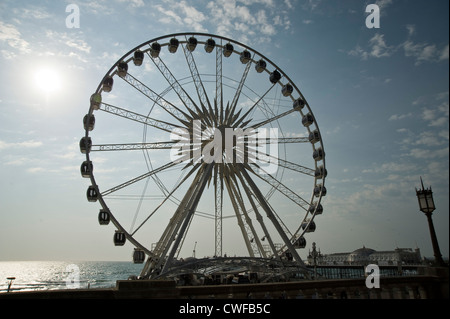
{"x": 260, "y": 66}
{"x": 173, "y": 45}
{"x": 227, "y": 50}
{"x": 138, "y": 57}
{"x": 155, "y": 49}
{"x": 95, "y": 100}
{"x": 122, "y": 69}
{"x": 210, "y": 45}
{"x": 191, "y": 44}
{"x": 119, "y": 238}
{"x": 108, "y": 84}
{"x": 103, "y": 217}
{"x": 86, "y": 169}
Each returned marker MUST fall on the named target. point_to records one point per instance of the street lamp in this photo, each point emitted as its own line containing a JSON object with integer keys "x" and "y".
{"x": 426, "y": 204}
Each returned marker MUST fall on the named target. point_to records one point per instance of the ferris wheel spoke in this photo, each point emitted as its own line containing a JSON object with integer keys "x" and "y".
{"x": 275, "y": 118}
{"x": 251, "y": 109}
{"x": 176, "y": 86}
{"x": 134, "y": 146}
{"x": 259, "y": 217}
{"x": 255, "y": 240}
{"x": 283, "y": 189}
{"x": 271, "y": 216}
{"x": 284, "y": 163}
{"x": 162, "y": 125}
{"x": 230, "y": 114}
{"x": 168, "y": 196}
{"x": 158, "y": 99}
{"x": 138, "y": 178}
{"x": 201, "y": 92}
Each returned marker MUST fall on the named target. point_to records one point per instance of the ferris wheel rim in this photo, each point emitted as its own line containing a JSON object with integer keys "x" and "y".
{"x": 111, "y": 72}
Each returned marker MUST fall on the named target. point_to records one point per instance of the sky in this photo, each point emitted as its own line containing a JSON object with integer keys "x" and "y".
{"x": 379, "y": 95}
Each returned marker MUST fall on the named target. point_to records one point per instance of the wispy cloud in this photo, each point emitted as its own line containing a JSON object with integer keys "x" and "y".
{"x": 12, "y": 36}
{"x": 181, "y": 13}
{"x": 25, "y": 144}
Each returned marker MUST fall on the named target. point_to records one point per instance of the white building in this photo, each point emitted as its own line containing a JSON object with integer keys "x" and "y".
{"x": 365, "y": 256}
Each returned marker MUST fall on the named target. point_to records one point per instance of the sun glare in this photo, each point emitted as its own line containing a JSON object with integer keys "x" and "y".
{"x": 47, "y": 80}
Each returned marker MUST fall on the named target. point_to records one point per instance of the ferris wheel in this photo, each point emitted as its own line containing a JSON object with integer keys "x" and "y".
{"x": 197, "y": 138}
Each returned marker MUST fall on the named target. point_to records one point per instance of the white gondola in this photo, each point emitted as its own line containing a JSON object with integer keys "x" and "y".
{"x": 287, "y": 90}
{"x": 314, "y": 136}
{"x": 321, "y": 172}
{"x": 191, "y": 44}
{"x": 307, "y": 120}
{"x": 119, "y": 238}
{"x": 122, "y": 69}
{"x": 138, "y": 57}
{"x": 227, "y": 50}
{"x": 318, "y": 154}
{"x": 155, "y": 49}
{"x": 300, "y": 242}
{"x": 210, "y": 45}
{"x": 320, "y": 189}
{"x": 89, "y": 122}
{"x": 103, "y": 217}
{"x": 245, "y": 57}
{"x": 260, "y": 66}
{"x": 138, "y": 256}
{"x": 173, "y": 45}
{"x": 275, "y": 76}
{"x": 96, "y": 99}
{"x": 319, "y": 209}
{"x": 298, "y": 103}
{"x": 92, "y": 194}
{"x": 107, "y": 84}
{"x": 85, "y": 145}
{"x": 309, "y": 227}
{"x": 86, "y": 169}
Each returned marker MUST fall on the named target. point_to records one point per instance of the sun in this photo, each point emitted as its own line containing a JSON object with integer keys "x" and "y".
{"x": 47, "y": 80}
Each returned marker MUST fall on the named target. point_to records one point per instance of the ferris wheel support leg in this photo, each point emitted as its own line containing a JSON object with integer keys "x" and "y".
{"x": 188, "y": 213}
{"x": 272, "y": 217}
{"x": 169, "y": 233}
{"x": 239, "y": 218}
{"x": 259, "y": 218}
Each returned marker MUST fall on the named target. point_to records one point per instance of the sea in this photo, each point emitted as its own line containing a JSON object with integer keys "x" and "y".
{"x": 45, "y": 275}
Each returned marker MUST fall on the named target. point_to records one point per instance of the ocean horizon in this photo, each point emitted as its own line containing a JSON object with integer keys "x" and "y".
{"x": 47, "y": 275}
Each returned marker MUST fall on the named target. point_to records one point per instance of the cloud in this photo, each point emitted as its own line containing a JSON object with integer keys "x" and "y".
{"x": 254, "y": 23}
{"x": 421, "y": 52}
{"x": 396, "y": 117}
{"x": 134, "y": 3}
{"x": 69, "y": 40}
{"x": 421, "y": 153}
{"x": 437, "y": 116}
{"x": 11, "y": 35}
{"x": 377, "y": 48}
{"x": 26, "y": 144}
{"x": 182, "y": 14}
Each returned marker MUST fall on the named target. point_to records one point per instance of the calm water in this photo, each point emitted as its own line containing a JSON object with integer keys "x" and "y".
{"x": 37, "y": 275}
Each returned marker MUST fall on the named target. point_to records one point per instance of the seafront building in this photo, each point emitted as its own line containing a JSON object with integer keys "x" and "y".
{"x": 364, "y": 256}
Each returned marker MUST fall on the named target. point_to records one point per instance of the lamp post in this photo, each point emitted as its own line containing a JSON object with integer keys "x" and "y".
{"x": 426, "y": 204}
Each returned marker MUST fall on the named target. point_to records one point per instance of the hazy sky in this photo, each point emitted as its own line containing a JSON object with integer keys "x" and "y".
{"x": 380, "y": 96}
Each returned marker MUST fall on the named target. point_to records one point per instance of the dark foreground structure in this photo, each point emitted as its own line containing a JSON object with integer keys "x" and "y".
{"x": 432, "y": 284}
